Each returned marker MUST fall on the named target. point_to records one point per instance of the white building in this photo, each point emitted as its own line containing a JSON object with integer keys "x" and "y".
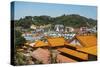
{"x": 33, "y": 26}
{"x": 69, "y": 29}
{"x": 59, "y": 28}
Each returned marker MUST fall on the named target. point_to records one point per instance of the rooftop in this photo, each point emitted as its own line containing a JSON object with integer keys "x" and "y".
{"x": 56, "y": 41}
{"x": 74, "y": 53}
{"x": 90, "y": 50}
{"x": 40, "y": 44}
{"x": 87, "y": 40}
{"x": 64, "y": 59}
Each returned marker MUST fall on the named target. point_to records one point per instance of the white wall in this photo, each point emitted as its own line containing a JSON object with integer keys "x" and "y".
{"x": 75, "y": 42}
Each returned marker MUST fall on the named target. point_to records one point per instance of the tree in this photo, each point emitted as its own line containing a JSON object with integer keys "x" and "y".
{"x": 20, "y": 59}
{"x": 17, "y": 34}
{"x": 18, "y": 39}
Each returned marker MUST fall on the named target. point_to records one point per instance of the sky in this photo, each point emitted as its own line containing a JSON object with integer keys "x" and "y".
{"x": 22, "y": 9}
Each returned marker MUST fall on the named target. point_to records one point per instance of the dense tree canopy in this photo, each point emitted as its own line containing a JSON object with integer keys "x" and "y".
{"x": 18, "y": 39}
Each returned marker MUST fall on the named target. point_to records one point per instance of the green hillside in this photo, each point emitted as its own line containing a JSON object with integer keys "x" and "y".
{"x": 67, "y": 20}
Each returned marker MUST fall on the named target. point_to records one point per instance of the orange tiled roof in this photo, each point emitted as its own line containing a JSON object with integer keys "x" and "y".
{"x": 64, "y": 59}
{"x": 74, "y": 53}
{"x": 90, "y": 50}
{"x": 40, "y": 44}
{"x": 56, "y": 41}
{"x": 87, "y": 40}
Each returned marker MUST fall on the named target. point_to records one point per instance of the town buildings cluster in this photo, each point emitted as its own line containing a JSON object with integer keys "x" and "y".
{"x": 38, "y": 32}
{"x": 60, "y": 45}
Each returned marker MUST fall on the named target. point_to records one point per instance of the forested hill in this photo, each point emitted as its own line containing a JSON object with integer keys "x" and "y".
{"x": 67, "y": 20}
